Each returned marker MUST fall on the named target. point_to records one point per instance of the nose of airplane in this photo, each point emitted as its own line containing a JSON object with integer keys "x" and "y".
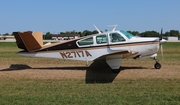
{"x": 163, "y": 41}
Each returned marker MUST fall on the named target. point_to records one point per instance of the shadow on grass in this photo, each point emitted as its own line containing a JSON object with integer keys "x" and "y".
{"x": 97, "y": 72}
{"x": 17, "y": 67}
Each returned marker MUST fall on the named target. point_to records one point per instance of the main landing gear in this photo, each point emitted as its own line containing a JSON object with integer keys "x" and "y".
{"x": 116, "y": 70}
{"x": 157, "y": 65}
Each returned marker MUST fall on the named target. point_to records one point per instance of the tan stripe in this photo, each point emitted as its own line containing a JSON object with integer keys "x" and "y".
{"x": 102, "y": 47}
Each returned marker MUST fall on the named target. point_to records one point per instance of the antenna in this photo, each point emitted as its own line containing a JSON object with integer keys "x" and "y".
{"x": 97, "y": 29}
{"x": 113, "y": 26}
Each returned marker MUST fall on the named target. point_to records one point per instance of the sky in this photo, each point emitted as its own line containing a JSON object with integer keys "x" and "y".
{"x": 67, "y": 15}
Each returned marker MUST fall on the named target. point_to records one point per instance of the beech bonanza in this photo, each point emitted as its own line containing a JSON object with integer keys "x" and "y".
{"x": 112, "y": 46}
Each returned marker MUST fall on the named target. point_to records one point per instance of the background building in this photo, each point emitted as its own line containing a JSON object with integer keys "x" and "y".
{"x": 64, "y": 36}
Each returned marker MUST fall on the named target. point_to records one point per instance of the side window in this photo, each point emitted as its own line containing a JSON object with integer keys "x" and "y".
{"x": 116, "y": 37}
{"x": 88, "y": 41}
{"x": 101, "y": 39}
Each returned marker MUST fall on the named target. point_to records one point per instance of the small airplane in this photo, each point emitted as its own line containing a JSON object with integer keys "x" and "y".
{"x": 111, "y": 46}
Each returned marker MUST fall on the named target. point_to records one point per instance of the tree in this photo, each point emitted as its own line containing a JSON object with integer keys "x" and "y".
{"x": 134, "y": 33}
{"x": 79, "y": 33}
{"x": 67, "y": 32}
{"x": 73, "y": 32}
{"x": 62, "y": 32}
{"x": 95, "y": 32}
{"x": 174, "y": 33}
{"x": 149, "y": 34}
{"x": 6, "y": 34}
{"x": 86, "y": 32}
{"x": 48, "y": 35}
{"x": 167, "y": 34}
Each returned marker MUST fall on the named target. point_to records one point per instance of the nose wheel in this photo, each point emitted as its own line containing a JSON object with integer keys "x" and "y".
{"x": 157, "y": 65}
{"x": 116, "y": 70}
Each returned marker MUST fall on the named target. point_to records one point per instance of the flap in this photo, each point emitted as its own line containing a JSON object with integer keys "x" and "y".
{"x": 115, "y": 55}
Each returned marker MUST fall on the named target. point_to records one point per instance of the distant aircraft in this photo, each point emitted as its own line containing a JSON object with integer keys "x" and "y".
{"x": 111, "y": 46}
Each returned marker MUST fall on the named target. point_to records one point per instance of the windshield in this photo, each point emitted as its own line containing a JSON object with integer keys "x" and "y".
{"x": 127, "y": 34}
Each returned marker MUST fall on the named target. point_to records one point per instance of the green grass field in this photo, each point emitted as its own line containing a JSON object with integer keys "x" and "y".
{"x": 132, "y": 86}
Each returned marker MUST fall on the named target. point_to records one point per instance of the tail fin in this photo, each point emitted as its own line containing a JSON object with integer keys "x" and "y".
{"x": 29, "y": 41}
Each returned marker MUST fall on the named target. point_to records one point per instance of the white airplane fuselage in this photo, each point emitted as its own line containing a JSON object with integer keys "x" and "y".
{"x": 143, "y": 47}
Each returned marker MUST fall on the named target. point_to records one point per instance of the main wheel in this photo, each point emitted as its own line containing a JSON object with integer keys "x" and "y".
{"x": 157, "y": 65}
{"x": 115, "y": 70}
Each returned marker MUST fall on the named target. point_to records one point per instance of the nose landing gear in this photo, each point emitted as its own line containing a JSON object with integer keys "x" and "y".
{"x": 157, "y": 65}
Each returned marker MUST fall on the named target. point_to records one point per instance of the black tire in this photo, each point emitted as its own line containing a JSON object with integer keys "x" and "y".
{"x": 115, "y": 70}
{"x": 157, "y": 65}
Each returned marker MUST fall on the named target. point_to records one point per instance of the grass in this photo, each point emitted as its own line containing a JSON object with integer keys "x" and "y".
{"x": 44, "y": 92}
{"x": 61, "y": 91}
{"x": 172, "y": 50}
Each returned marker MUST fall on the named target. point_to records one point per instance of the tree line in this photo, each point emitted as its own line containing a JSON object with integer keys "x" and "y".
{"x": 48, "y": 35}
{"x": 174, "y": 33}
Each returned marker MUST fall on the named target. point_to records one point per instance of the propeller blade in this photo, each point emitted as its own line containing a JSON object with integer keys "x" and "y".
{"x": 162, "y": 54}
{"x": 160, "y": 36}
{"x": 161, "y": 31}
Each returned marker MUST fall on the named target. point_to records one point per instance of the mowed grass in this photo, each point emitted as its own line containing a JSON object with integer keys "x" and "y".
{"x": 125, "y": 92}
{"x": 61, "y": 91}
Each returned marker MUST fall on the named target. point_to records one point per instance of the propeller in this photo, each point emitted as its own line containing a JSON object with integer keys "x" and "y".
{"x": 160, "y": 43}
{"x": 160, "y": 36}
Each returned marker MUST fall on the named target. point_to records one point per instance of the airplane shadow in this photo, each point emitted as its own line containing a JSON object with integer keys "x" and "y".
{"x": 16, "y": 67}
{"x": 97, "y": 72}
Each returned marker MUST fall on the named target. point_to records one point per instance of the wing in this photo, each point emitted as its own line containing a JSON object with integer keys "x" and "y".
{"x": 115, "y": 55}
{"x": 114, "y": 59}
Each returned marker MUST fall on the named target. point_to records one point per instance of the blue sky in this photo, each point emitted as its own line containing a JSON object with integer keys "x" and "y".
{"x": 67, "y": 15}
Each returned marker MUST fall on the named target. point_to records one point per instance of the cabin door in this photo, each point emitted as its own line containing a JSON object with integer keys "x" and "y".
{"x": 117, "y": 42}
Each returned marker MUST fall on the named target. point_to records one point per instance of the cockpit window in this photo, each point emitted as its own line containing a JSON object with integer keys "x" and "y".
{"x": 127, "y": 34}
{"x": 101, "y": 39}
{"x": 88, "y": 41}
{"x": 116, "y": 37}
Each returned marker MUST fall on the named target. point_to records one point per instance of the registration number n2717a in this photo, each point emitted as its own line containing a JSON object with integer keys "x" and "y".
{"x": 74, "y": 54}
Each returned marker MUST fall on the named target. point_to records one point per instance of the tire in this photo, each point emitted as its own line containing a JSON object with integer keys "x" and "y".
{"x": 157, "y": 65}
{"x": 115, "y": 70}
